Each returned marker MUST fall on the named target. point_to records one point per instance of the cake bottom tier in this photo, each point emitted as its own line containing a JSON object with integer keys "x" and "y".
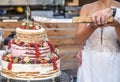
{"x": 30, "y": 71}
{"x": 29, "y": 75}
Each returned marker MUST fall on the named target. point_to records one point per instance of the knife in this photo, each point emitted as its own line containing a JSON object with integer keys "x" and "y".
{"x": 83, "y": 19}
{"x": 80, "y": 19}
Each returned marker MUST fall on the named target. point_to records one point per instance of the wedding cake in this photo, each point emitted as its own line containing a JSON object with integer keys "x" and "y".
{"x": 30, "y": 55}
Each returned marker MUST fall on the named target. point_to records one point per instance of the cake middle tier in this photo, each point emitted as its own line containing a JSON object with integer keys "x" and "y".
{"x": 29, "y": 51}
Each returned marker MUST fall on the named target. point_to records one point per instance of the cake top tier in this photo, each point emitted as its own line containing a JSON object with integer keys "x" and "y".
{"x": 30, "y": 32}
{"x": 30, "y": 25}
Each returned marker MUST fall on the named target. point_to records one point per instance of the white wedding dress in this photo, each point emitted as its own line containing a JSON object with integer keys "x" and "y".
{"x": 100, "y": 63}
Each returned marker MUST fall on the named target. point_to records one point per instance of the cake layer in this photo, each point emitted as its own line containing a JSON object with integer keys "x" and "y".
{"x": 30, "y": 52}
{"x": 30, "y": 70}
{"x": 28, "y": 35}
{"x": 41, "y": 68}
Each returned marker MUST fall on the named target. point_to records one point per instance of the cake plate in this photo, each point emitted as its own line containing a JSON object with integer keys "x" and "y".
{"x": 32, "y": 79}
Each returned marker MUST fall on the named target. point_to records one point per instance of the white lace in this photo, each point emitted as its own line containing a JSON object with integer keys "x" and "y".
{"x": 109, "y": 41}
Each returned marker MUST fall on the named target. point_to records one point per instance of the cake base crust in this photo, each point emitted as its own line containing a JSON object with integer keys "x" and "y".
{"x": 29, "y": 75}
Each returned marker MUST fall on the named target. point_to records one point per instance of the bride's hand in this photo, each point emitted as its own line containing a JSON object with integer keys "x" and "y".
{"x": 100, "y": 17}
{"x": 95, "y": 26}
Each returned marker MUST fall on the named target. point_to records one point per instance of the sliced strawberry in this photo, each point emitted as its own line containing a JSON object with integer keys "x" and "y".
{"x": 9, "y": 55}
{"x": 21, "y": 26}
{"x": 34, "y": 28}
{"x": 29, "y": 45}
{"x": 40, "y": 43}
{"x": 27, "y": 27}
{"x": 23, "y": 45}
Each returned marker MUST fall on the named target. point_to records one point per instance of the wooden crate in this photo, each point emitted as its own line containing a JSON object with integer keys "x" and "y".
{"x": 61, "y": 35}
{"x": 72, "y": 2}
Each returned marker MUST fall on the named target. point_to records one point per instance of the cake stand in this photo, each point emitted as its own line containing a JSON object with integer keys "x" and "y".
{"x": 32, "y": 79}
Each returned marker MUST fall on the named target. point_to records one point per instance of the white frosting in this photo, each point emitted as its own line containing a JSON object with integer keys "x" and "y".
{"x": 30, "y": 31}
{"x": 30, "y": 67}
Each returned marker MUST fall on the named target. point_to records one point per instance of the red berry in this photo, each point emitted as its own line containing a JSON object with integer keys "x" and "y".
{"x": 29, "y": 45}
{"x": 9, "y": 45}
{"x": 10, "y": 65}
{"x": 9, "y": 55}
{"x": 27, "y": 27}
{"x": 34, "y": 28}
{"x": 40, "y": 43}
{"x": 2, "y": 57}
{"x": 21, "y": 26}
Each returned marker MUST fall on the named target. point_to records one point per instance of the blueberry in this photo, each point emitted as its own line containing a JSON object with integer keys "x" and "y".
{"x": 37, "y": 62}
{"x": 50, "y": 61}
{"x": 23, "y": 62}
{"x": 32, "y": 45}
{"x": 32, "y": 61}
{"x": 19, "y": 58}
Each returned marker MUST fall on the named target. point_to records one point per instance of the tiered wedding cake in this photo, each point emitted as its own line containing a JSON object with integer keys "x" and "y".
{"x": 30, "y": 54}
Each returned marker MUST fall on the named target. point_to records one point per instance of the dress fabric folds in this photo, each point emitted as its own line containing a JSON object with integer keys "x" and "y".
{"x": 100, "y": 62}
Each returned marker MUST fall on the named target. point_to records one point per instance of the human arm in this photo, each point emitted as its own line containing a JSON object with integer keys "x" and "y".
{"x": 79, "y": 58}
{"x": 83, "y": 30}
{"x": 100, "y": 18}
{"x": 116, "y": 15}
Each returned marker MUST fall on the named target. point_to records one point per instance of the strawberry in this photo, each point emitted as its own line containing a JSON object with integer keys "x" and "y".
{"x": 40, "y": 43}
{"x": 27, "y": 27}
{"x": 36, "y": 48}
{"x": 9, "y": 55}
{"x": 23, "y": 45}
{"x": 34, "y": 28}
{"x": 21, "y": 26}
{"x": 32, "y": 45}
{"x": 10, "y": 65}
{"x": 29, "y": 45}
{"x": 12, "y": 41}
{"x": 9, "y": 45}
{"x": 42, "y": 62}
{"x": 54, "y": 63}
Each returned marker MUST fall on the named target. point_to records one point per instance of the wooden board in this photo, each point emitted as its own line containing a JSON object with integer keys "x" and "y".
{"x": 87, "y": 19}
{"x": 62, "y": 41}
{"x": 61, "y": 32}
{"x": 73, "y": 3}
